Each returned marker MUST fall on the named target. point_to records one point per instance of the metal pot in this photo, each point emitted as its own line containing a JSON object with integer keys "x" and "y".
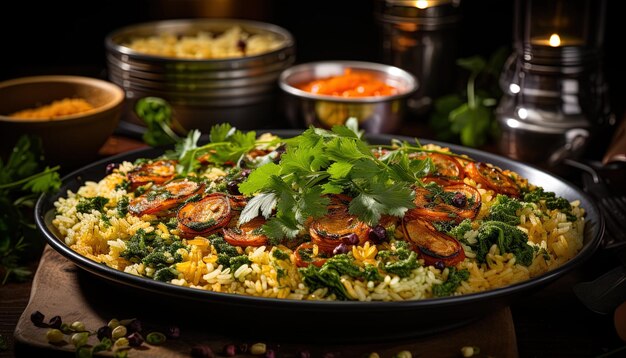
{"x": 202, "y": 92}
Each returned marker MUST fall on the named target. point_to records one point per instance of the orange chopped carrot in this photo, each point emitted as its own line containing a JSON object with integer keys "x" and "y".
{"x": 350, "y": 84}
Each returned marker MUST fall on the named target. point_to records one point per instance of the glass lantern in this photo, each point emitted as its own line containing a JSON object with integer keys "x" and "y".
{"x": 555, "y": 102}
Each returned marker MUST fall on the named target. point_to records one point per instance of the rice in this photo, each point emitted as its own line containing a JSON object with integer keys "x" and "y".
{"x": 271, "y": 271}
{"x": 234, "y": 42}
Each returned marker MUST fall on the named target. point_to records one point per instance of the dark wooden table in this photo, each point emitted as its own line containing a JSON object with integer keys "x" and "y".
{"x": 551, "y": 322}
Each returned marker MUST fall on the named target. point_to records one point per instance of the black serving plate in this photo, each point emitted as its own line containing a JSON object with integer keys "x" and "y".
{"x": 340, "y": 321}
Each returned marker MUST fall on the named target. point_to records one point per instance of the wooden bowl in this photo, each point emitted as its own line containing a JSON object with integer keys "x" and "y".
{"x": 69, "y": 140}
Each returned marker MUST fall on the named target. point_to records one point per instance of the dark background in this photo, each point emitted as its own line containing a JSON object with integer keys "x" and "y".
{"x": 68, "y": 37}
{"x": 59, "y": 37}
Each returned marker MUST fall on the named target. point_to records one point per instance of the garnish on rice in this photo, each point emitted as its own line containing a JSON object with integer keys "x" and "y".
{"x": 323, "y": 215}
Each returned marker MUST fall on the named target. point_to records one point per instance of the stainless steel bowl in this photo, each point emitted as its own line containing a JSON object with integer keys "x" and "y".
{"x": 375, "y": 114}
{"x": 202, "y": 92}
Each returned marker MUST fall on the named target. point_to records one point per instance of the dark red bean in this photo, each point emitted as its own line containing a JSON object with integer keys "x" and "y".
{"x": 55, "y": 322}
{"x": 459, "y": 200}
{"x": 135, "y": 339}
{"x": 341, "y": 249}
{"x": 270, "y": 353}
{"x": 110, "y": 167}
{"x": 134, "y": 326}
{"x": 378, "y": 234}
{"x": 202, "y": 351}
{"x": 304, "y": 354}
{"x": 440, "y": 265}
{"x": 233, "y": 187}
{"x": 37, "y": 318}
{"x": 230, "y": 350}
{"x": 350, "y": 239}
{"x": 104, "y": 332}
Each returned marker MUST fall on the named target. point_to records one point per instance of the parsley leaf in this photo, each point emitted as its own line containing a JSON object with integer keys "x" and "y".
{"x": 156, "y": 113}
{"x": 320, "y": 162}
{"x": 21, "y": 181}
{"x": 380, "y": 199}
{"x": 258, "y": 179}
{"x": 263, "y": 203}
{"x": 220, "y": 132}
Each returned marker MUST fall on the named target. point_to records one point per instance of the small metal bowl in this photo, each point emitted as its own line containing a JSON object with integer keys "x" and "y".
{"x": 382, "y": 114}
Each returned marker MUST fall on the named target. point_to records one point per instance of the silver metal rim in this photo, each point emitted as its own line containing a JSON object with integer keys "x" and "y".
{"x": 395, "y": 73}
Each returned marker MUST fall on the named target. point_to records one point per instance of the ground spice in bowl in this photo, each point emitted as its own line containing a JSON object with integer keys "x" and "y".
{"x": 56, "y": 109}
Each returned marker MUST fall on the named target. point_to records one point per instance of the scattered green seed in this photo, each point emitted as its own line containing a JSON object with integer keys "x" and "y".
{"x": 113, "y": 323}
{"x": 404, "y": 354}
{"x": 80, "y": 339}
{"x": 84, "y": 352}
{"x": 258, "y": 348}
{"x": 469, "y": 351}
{"x": 65, "y": 328}
{"x": 78, "y": 326}
{"x": 54, "y": 335}
{"x": 118, "y": 332}
{"x": 121, "y": 343}
{"x": 121, "y": 353}
{"x": 155, "y": 338}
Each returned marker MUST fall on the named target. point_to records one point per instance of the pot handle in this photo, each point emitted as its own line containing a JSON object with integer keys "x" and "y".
{"x": 617, "y": 149}
{"x": 575, "y": 141}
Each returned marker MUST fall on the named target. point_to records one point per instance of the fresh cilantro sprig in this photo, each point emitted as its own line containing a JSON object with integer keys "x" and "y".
{"x": 468, "y": 116}
{"x": 21, "y": 181}
{"x": 397, "y": 147}
{"x": 320, "y": 162}
{"x": 227, "y": 145}
{"x": 157, "y": 114}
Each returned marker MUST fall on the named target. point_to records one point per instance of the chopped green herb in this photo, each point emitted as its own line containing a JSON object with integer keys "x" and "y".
{"x": 140, "y": 190}
{"x": 171, "y": 223}
{"x": 458, "y": 232}
{"x": 201, "y": 226}
{"x": 552, "y": 201}
{"x": 159, "y": 193}
{"x": 86, "y": 205}
{"x": 505, "y": 210}
{"x": 437, "y": 195}
{"x": 124, "y": 185}
{"x": 508, "y": 238}
{"x": 221, "y": 246}
{"x": 238, "y": 261}
{"x": 105, "y": 219}
{"x": 455, "y": 277}
{"x": 165, "y": 274}
{"x": 400, "y": 261}
{"x": 155, "y": 338}
{"x": 122, "y": 206}
{"x": 329, "y": 275}
{"x": 280, "y": 255}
